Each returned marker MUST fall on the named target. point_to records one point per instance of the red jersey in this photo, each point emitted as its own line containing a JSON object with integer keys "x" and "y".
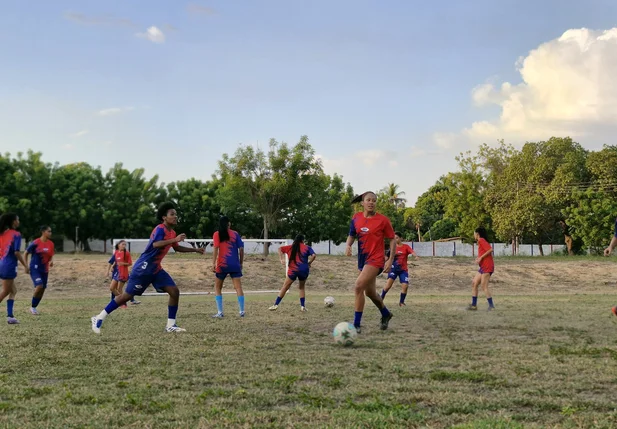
{"x": 42, "y": 252}
{"x": 400, "y": 258}
{"x": 122, "y": 256}
{"x": 300, "y": 265}
{"x": 371, "y": 232}
{"x": 488, "y": 264}
{"x": 150, "y": 261}
{"x": 228, "y": 260}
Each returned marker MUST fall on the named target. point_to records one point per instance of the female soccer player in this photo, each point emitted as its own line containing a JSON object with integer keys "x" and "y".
{"x": 121, "y": 261}
{"x": 227, "y": 260}
{"x": 10, "y": 243}
{"x": 487, "y": 267}
{"x": 300, "y": 257}
{"x": 399, "y": 268}
{"x": 148, "y": 270}
{"x": 42, "y": 250}
{"x": 608, "y": 251}
{"x": 371, "y": 229}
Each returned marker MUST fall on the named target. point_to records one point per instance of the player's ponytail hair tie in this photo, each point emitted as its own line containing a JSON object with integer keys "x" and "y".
{"x": 360, "y": 198}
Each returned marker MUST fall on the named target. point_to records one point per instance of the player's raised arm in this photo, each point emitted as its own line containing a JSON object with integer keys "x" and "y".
{"x": 613, "y": 243}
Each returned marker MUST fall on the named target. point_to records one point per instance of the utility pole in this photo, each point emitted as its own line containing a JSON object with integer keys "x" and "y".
{"x": 76, "y": 239}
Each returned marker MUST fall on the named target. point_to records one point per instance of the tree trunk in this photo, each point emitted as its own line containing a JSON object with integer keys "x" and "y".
{"x": 541, "y": 250}
{"x": 266, "y": 244}
{"x": 86, "y": 246}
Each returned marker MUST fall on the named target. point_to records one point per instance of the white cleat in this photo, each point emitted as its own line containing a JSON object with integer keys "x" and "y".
{"x": 96, "y": 325}
{"x": 274, "y": 307}
{"x": 175, "y": 328}
{"x": 302, "y": 308}
{"x": 34, "y": 311}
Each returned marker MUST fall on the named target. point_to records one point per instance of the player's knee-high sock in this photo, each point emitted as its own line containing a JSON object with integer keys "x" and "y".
{"x": 403, "y": 296}
{"x": 278, "y": 300}
{"x": 110, "y": 307}
{"x": 383, "y": 293}
{"x": 35, "y": 302}
{"x": 490, "y": 302}
{"x": 9, "y": 307}
{"x": 302, "y": 301}
{"x": 219, "y": 303}
{"x": 172, "y": 310}
{"x": 384, "y": 311}
{"x": 241, "y": 303}
{"x": 357, "y": 318}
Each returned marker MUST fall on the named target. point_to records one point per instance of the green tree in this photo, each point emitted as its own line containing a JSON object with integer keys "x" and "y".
{"x": 270, "y": 183}
{"x": 79, "y": 194}
{"x": 592, "y": 218}
{"x": 429, "y": 208}
{"x": 394, "y": 195}
{"x": 198, "y": 209}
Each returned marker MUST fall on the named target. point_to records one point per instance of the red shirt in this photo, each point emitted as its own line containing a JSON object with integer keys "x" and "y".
{"x": 488, "y": 264}
{"x": 400, "y": 259}
{"x": 150, "y": 261}
{"x": 122, "y": 256}
{"x": 300, "y": 265}
{"x": 228, "y": 260}
{"x": 42, "y": 252}
{"x": 371, "y": 232}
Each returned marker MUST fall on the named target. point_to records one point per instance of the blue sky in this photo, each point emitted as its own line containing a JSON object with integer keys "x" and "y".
{"x": 387, "y": 91}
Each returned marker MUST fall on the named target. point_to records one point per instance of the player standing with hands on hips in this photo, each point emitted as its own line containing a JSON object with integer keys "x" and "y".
{"x": 370, "y": 228}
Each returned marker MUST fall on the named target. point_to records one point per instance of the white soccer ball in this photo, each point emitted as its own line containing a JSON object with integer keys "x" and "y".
{"x": 344, "y": 334}
{"x": 328, "y": 301}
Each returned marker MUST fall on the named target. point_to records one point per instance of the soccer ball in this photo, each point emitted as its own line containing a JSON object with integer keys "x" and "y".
{"x": 328, "y": 301}
{"x": 344, "y": 334}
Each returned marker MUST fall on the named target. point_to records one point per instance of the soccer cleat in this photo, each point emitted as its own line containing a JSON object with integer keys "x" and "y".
{"x": 274, "y": 307}
{"x": 491, "y": 308}
{"x": 401, "y": 304}
{"x": 302, "y": 308}
{"x": 384, "y": 321}
{"x": 242, "y": 314}
{"x": 218, "y": 316}
{"x": 12, "y": 321}
{"x": 124, "y": 306}
{"x": 175, "y": 328}
{"x": 358, "y": 328}
{"x": 34, "y": 311}
{"x": 471, "y": 307}
{"x": 614, "y": 310}
{"x": 96, "y": 325}
{"x": 135, "y": 302}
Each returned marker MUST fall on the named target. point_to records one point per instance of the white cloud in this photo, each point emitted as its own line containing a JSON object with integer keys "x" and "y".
{"x": 80, "y": 133}
{"x": 114, "y": 110}
{"x": 153, "y": 34}
{"x": 445, "y": 140}
{"x": 568, "y": 88}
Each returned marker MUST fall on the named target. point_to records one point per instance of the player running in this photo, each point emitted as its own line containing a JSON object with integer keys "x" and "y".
{"x": 10, "y": 243}
{"x": 120, "y": 261}
{"x": 370, "y": 228}
{"x": 148, "y": 270}
{"x": 399, "y": 268}
{"x": 227, "y": 260}
{"x": 608, "y": 251}
{"x": 300, "y": 257}
{"x": 487, "y": 267}
{"x": 42, "y": 250}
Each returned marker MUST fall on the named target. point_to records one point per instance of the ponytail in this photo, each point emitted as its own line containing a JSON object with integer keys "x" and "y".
{"x": 295, "y": 247}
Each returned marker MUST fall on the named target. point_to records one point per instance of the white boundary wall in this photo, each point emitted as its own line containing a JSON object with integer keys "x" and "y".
{"x": 428, "y": 248}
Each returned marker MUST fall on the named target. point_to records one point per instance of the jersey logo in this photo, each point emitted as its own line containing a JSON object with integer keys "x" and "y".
{"x": 364, "y": 229}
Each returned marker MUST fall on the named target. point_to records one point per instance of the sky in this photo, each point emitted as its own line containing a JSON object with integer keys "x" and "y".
{"x": 387, "y": 91}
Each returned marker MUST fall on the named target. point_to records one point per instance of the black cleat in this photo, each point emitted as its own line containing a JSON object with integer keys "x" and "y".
{"x": 358, "y": 328}
{"x": 385, "y": 320}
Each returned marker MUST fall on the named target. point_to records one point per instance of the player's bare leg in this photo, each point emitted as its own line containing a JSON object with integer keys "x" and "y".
{"x": 301, "y": 289}
{"x": 404, "y": 288}
{"x": 240, "y": 294}
{"x": 37, "y": 296}
{"x": 286, "y": 285}
{"x": 174, "y": 299}
{"x": 475, "y": 283}
{"x": 486, "y": 277}
{"x": 388, "y": 286}
{"x": 9, "y": 304}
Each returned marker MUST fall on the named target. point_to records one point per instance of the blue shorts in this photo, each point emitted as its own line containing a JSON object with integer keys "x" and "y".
{"x": 298, "y": 276}
{"x": 8, "y": 272}
{"x": 234, "y": 275}
{"x": 39, "y": 278}
{"x": 481, "y": 271}
{"x": 403, "y": 276}
{"x": 116, "y": 276}
{"x": 138, "y": 284}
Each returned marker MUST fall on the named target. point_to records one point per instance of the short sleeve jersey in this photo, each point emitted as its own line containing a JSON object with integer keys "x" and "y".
{"x": 42, "y": 252}
{"x": 112, "y": 262}
{"x": 300, "y": 264}
{"x": 487, "y": 264}
{"x": 10, "y": 242}
{"x": 371, "y": 232}
{"x": 122, "y": 256}
{"x": 400, "y": 259}
{"x": 228, "y": 260}
{"x": 150, "y": 261}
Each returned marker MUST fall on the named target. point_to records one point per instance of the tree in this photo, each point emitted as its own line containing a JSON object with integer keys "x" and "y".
{"x": 198, "y": 210}
{"x": 429, "y": 209}
{"x": 78, "y": 191}
{"x": 394, "y": 195}
{"x": 271, "y": 184}
{"x": 592, "y": 217}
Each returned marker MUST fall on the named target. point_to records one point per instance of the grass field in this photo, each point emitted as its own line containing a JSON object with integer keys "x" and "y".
{"x": 541, "y": 360}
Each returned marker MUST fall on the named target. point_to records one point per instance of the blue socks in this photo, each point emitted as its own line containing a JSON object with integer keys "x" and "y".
{"x": 278, "y": 300}
{"x": 111, "y": 306}
{"x": 172, "y": 310}
{"x": 113, "y": 296}
{"x": 384, "y": 311}
{"x": 474, "y": 301}
{"x": 9, "y": 307}
{"x": 357, "y": 318}
{"x": 302, "y": 302}
{"x": 35, "y": 302}
{"x": 403, "y": 296}
{"x": 383, "y": 293}
{"x": 219, "y": 303}
{"x": 241, "y": 303}
{"x": 490, "y": 302}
